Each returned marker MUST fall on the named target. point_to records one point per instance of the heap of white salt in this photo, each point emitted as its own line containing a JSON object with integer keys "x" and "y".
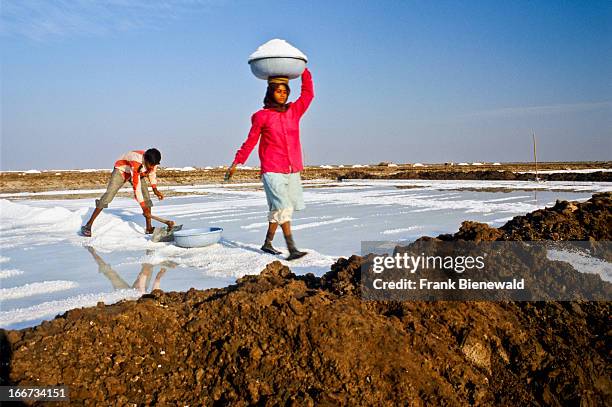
{"x": 277, "y": 48}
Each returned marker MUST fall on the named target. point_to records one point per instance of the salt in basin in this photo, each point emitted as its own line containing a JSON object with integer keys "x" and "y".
{"x": 277, "y": 66}
{"x": 277, "y": 58}
{"x": 197, "y": 237}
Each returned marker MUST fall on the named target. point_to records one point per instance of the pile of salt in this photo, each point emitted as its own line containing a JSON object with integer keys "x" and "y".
{"x": 277, "y": 48}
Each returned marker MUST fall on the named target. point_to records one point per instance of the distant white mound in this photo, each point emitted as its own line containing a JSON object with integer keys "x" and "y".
{"x": 476, "y": 163}
{"x": 31, "y": 172}
{"x": 418, "y": 165}
{"x": 391, "y": 165}
{"x": 180, "y": 169}
{"x": 326, "y": 166}
{"x": 463, "y": 164}
{"x": 496, "y": 164}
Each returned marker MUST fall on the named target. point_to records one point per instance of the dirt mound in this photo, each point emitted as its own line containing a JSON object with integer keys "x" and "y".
{"x": 277, "y": 338}
{"x": 590, "y": 220}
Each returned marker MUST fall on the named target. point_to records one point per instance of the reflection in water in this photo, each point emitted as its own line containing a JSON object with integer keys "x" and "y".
{"x": 143, "y": 279}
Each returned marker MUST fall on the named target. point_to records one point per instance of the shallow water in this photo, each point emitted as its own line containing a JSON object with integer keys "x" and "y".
{"x": 47, "y": 268}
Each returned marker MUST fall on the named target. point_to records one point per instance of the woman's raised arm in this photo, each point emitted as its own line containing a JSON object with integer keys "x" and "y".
{"x": 307, "y": 94}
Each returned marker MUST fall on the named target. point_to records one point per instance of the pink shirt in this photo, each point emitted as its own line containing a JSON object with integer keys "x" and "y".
{"x": 280, "y": 149}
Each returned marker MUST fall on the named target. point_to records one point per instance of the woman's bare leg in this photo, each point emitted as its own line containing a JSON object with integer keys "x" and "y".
{"x": 286, "y": 227}
{"x": 271, "y": 230}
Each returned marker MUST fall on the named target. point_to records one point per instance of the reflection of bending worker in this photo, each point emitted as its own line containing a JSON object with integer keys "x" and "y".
{"x": 142, "y": 280}
{"x": 104, "y": 268}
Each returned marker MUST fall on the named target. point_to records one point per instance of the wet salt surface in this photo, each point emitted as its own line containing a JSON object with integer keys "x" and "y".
{"x": 47, "y": 268}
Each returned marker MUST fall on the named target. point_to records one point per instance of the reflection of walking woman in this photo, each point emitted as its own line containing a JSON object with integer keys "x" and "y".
{"x": 280, "y": 152}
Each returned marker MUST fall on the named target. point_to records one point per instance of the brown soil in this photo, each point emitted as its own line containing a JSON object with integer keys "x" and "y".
{"x": 281, "y": 339}
{"x": 590, "y": 220}
{"x": 484, "y": 175}
{"x": 583, "y": 227}
{"x": 48, "y": 181}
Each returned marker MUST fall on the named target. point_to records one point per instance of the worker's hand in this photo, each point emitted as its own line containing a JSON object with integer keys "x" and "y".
{"x": 158, "y": 194}
{"x": 230, "y": 172}
{"x": 146, "y": 212}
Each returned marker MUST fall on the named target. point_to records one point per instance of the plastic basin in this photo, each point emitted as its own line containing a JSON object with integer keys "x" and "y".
{"x": 277, "y": 66}
{"x": 197, "y": 237}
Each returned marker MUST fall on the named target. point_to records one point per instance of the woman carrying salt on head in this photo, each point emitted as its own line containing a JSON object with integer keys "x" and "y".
{"x": 277, "y": 129}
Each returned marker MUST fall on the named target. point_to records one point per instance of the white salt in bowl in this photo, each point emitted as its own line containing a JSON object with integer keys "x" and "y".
{"x": 277, "y": 66}
{"x": 197, "y": 237}
{"x": 277, "y": 58}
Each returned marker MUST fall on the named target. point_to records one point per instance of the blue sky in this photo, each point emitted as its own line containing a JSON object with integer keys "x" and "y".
{"x": 406, "y": 81}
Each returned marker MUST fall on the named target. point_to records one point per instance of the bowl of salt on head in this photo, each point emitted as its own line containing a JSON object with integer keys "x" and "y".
{"x": 277, "y": 58}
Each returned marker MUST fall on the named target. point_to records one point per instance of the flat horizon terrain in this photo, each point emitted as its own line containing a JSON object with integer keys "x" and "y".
{"x": 16, "y": 181}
